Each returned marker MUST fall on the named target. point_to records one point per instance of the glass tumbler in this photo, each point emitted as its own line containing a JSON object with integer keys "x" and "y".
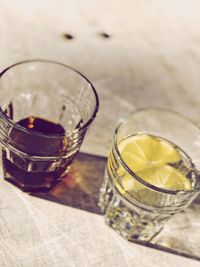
{"x": 134, "y": 206}
{"x": 45, "y": 110}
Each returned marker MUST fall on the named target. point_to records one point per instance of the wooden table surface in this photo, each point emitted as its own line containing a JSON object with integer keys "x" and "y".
{"x": 137, "y": 54}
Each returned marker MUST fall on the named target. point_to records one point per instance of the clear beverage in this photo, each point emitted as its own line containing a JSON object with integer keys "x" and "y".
{"x": 147, "y": 180}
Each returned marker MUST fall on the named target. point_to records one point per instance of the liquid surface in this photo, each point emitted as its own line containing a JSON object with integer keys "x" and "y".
{"x": 42, "y": 126}
{"x": 157, "y": 161}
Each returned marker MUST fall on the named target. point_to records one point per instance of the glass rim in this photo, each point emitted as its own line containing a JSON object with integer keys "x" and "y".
{"x": 132, "y": 173}
{"x": 80, "y": 129}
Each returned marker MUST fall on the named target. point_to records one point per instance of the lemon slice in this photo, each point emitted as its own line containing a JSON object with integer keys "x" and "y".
{"x": 166, "y": 177}
{"x": 149, "y": 157}
{"x": 140, "y": 152}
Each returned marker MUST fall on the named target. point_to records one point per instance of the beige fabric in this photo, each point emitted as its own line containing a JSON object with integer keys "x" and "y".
{"x": 36, "y": 232}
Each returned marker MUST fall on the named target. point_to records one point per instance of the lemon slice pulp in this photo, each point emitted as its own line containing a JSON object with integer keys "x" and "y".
{"x": 144, "y": 151}
{"x": 149, "y": 157}
{"x": 166, "y": 177}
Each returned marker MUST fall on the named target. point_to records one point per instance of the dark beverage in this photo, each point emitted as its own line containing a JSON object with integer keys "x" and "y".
{"x": 37, "y": 152}
{"x": 43, "y": 172}
{"x": 41, "y": 126}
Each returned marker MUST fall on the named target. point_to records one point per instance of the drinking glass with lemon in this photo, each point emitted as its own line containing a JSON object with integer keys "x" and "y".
{"x": 152, "y": 172}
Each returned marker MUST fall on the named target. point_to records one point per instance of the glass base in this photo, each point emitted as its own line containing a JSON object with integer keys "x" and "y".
{"x": 32, "y": 189}
{"x": 35, "y": 182}
{"x": 130, "y": 221}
